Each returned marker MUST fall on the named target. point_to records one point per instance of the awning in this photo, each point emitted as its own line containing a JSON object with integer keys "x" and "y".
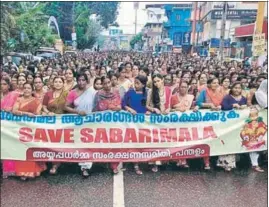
{"x": 248, "y": 30}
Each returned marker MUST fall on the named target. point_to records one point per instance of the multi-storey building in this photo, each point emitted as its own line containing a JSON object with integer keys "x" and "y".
{"x": 178, "y": 27}
{"x": 152, "y": 31}
{"x": 239, "y": 13}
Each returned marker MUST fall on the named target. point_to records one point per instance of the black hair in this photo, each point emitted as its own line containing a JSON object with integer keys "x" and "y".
{"x": 121, "y": 68}
{"x": 38, "y": 77}
{"x": 201, "y": 75}
{"x": 95, "y": 80}
{"x": 82, "y": 75}
{"x": 103, "y": 79}
{"x": 22, "y": 76}
{"x": 30, "y": 85}
{"x": 209, "y": 81}
{"x": 146, "y": 70}
{"x": 7, "y": 80}
{"x": 155, "y": 92}
{"x": 224, "y": 78}
{"x": 234, "y": 84}
{"x": 74, "y": 73}
{"x": 58, "y": 77}
{"x": 241, "y": 77}
{"x": 128, "y": 63}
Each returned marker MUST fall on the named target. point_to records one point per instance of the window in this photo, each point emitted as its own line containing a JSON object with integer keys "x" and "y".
{"x": 177, "y": 17}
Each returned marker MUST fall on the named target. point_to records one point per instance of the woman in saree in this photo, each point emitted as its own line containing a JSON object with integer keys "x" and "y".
{"x": 234, "y": 100}
{"x": 182, "y": 101}
{"x": 135, "y": 102}
{"x": 70, "y": 81}
{"x": 54, "y": 103}
{"x": 210, "y": 98}
{"x": 8, "y": 99}
{"x": 225, "y": 84}
{"x": 21, "y": 81}
{"x": 29, "y": 106}
{"x": 158, "y": 101}
{"x": 124, "y": 83}
{"x": 108, "y": 99}
{"x": 202, "y": 81}
{"x": 39, "y": 92}
{"x": 80, "y": 101}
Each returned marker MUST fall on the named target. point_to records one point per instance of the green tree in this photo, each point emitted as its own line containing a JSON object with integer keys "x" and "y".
{"x": 87, "y": 31}
{"x": 26, "y": 24}
{"x": 137, "y": 39}
{"x": 7, "y": 25}
{"x": 32, "y": 22}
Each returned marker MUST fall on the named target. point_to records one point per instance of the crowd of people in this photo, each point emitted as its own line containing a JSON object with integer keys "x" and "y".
{"x": 135, "y": 82}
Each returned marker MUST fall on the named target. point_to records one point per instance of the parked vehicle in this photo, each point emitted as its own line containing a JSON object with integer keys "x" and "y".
{"x": 48, "y": 53}
{"x": 18, "y": 58}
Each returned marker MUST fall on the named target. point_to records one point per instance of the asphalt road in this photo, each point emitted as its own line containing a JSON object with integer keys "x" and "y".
{"x": 170, "y": 187}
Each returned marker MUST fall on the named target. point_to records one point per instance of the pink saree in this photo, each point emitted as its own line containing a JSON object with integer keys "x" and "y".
{"x": 6, "y": 105}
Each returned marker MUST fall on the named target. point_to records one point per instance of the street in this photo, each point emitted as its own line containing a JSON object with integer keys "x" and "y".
{"x": 171, "y": 186}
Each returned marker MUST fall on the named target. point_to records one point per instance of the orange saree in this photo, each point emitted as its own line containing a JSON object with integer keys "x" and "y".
{"x": 29, "y": 168}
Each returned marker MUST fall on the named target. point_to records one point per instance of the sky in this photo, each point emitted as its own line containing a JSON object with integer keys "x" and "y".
{"x": 126, "y": 17}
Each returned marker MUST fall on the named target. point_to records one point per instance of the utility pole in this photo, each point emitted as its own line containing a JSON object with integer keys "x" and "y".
{"x": 73, "y": 35}
{"x": 136, "y": 5}
{"x": 200, "y": 10}
{"x": 260, "y": 17}
{"x": 223, "y": 25}
{"x": 194, "y": 27}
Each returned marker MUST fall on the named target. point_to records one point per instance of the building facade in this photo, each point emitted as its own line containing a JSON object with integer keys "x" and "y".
{"x": 238, "y": 13}
{"x": 152, "y": 31}
{"x": 178, "y": 27}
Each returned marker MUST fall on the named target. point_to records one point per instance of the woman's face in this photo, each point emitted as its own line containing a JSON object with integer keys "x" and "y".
{"x": 135, "y": 71}
{"x": 244, "y": 83}
{"x": 38, "y": 84}
{"x": 21, "y": 81}
{"x": 14, "y": 83}
{"x": 158, "y": 82}
{"x": 226, "y": 83}
{"x": 128, "y": 68}
{"x": 138, "y": 85}
{"x": 49, "y": 71}
{"x": 107, "y": 84}
{"x": 123, "y": 73}
{"x": 215, "y": 84}
{"x": 197, "y": 74}
{"x": 27, "y": 90}
{"x": 58, "y": 84}
{"x": 98, "y": 85}
{"x": 4, "y": 86}
{"x": 82, "y": 83}
{"x": 174, "y": 79}
{"x": 93, "y": 71}
{"x": 88, "y": 74}
{"x": 186, "y": 78}
{"x": 69, "y": 75}
{"x": 194, "y": 84}
{"x": 237, "y": 90}
{"x": 234, "y": 78}
{"x": 203, "y": 79}
{"x": 183, "y": 88}
{"x": 114, "y": 81}
{"x": 30, "y": 79}
{"x": 102, "y": 73}
{"x": 5, "y": 75}
{"x": 259, "y": 81}
{"x": 168, "y": 80}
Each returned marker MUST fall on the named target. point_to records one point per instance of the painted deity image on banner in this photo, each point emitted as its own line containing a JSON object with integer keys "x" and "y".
{"x": 254, "y": 131}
